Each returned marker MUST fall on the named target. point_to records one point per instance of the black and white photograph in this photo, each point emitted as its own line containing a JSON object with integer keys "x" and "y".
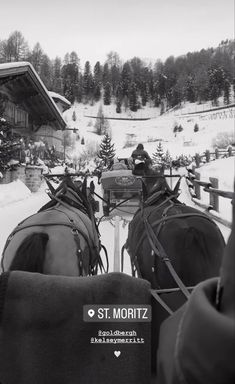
{"x": 117, "y": 192}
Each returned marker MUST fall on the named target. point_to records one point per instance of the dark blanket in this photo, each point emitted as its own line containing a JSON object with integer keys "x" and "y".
{"x": 197, "y": 343}
{"x": 44, "y": 340}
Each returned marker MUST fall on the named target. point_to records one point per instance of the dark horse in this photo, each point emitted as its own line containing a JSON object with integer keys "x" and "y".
{"x": 174, "y": 247}
{"x": 168, "y": 239}
{"x": 61, "y": 239}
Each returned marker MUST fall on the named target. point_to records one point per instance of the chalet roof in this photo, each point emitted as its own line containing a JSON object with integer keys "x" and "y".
{"x": 59, "y": 98}
{"x": 26, "y": 89}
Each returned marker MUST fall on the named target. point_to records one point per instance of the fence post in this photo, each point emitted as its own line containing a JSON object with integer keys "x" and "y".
{"x": 214, "y": 199}
{"x": 197, "y": 186}
{"x": 207, "y": 153}
{"x": 197, "y": 160}
{"x": 116, "y": 261}
{"x": 216, "y": 153}
{"x": 230, "y": 153}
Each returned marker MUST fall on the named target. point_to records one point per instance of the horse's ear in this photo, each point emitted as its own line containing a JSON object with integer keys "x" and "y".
{"x": 177, "y": 187}
{"x": 50, "y": 186}
{"x": 92, "y": 187}
{"x": 84, "y": 186}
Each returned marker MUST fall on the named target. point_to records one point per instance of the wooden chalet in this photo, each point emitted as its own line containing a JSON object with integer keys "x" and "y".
{"x": 29, "y": 107}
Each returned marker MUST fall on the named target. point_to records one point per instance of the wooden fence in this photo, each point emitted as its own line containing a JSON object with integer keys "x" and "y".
{"x": 211, "y": 186}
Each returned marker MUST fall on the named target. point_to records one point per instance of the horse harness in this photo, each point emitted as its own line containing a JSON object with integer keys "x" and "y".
{"x": 75, "y": 231}
{"x": 157, "y": 248}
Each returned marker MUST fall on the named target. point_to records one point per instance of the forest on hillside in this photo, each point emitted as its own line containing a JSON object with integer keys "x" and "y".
{"x": 194, "y": 77}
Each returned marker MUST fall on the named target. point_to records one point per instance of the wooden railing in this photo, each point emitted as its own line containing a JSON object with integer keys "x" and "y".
{"x": 208, "y": 156}
{"x": 211, "y": 186}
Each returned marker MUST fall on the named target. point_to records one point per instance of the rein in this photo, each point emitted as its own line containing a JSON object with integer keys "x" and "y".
{"x": 157, "y": 248}
{"x": 91, "y": 245}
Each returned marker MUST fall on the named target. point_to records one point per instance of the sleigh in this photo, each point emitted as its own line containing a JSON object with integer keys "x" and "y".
{"x": 121, "y": 189}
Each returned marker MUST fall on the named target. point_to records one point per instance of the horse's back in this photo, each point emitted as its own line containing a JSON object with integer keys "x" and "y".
{"x": 60, "y": 225}
{"x": 191, "y": 240}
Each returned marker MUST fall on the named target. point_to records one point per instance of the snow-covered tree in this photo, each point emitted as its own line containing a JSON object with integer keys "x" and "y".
{"x": 167, "y": 159}
{"x": 107, "y": 151}
{"x": 157, "y": 156}
{"x": 101, "y": 124}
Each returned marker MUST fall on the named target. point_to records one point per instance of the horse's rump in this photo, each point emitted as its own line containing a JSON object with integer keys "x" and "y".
{"x": 191, "y": 240}
{"x": 62, "y": 224}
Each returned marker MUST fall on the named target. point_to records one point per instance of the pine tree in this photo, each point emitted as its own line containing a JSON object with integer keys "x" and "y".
{"x": 106, "y": 74}
{"x": 97, "y": 93}
{"x": 126, "y": 77}
{"x": 70, "y": 76}
{"x": 107, "y": 151}
{"x": 87, "y": 81}
{"x": 167, "y": 159}
{"x": 216, "y": 82}
{"x": 158, "y": 156}
{"x": 226, "y": 89}
{"x": 98, "y": 74}
{"x": 115, "y": 77}
{"x": 144, "y": 94}
{"x": 133, "y": 97}
{"x": 190, "y": 89}
{"x": 118, "y": 98}
{"x": 107, "y": 94}
{"x": 101, "y": 125}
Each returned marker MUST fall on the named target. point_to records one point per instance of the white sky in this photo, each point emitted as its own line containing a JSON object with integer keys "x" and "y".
{"x": 149, "y": 29}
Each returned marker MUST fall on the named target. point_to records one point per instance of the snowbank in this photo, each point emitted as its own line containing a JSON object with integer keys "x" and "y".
{"x": 12, "y": 192}
{"x": 224, "y": 171}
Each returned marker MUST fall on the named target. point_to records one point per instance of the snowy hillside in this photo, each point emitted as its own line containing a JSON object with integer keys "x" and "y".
{"x": 149, "y": 132}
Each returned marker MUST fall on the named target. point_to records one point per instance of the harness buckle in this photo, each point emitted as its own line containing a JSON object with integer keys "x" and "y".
{"x": 75, "y": 231}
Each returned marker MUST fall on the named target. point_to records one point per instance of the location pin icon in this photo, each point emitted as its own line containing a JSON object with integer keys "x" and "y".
{"x": 91, "y": 312}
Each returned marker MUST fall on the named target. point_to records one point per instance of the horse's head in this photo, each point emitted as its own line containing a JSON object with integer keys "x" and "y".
{"x": 75, "y": 193}
{"x": 158, "y": 189}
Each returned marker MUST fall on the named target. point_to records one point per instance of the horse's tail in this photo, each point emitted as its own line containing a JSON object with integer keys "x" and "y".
{"x": 30, "y": 255}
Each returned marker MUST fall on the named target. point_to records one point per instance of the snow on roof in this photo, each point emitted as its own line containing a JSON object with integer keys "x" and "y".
{"x": 55, "y": 95}
{"x": 15, "y": 64}
{"x": 23, "y": 67}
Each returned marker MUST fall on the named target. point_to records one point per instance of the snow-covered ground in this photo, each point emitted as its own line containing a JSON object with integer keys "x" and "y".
{"x": 149, "y": 132}
{"x": 17, "y": 203}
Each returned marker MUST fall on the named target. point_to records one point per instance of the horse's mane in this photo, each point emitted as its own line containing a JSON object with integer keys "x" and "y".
{"x": 70, "y": 193}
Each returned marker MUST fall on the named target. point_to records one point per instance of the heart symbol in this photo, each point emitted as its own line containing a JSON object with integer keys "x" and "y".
{"x": 91, "y": 312}
{"x": 117, "y": 353}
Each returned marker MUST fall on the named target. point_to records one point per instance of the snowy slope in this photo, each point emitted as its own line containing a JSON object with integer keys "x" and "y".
{"x": 150, "y": 131}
